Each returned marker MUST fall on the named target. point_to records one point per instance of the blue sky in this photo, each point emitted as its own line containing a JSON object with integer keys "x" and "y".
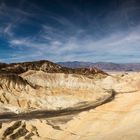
{"x": 70, "y": 30}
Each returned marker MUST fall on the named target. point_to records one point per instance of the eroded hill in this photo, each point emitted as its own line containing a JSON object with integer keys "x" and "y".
{"x": 43, "y": 101}
{"x": 49, "y": 67}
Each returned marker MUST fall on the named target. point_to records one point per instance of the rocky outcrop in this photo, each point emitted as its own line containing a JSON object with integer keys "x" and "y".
{"x": 49, "y": 67}
{"x": 19, "y": 68}
{"x": 45, "y": 85}
{"x": 40, "y": 90}
{"x": 13, "y": 82}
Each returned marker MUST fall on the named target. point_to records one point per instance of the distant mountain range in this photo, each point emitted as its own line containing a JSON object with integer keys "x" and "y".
{"x": 106, "y": 66}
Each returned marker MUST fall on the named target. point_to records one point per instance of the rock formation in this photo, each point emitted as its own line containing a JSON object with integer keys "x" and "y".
{"x": 46, "y": 66}
{"x": 42, "y": 101}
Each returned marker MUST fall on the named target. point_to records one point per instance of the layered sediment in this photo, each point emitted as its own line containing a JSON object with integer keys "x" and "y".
{"x": 42, "y": 100}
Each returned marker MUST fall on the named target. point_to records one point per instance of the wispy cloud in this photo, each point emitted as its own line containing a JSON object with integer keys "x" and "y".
{"x": 60, "y": 38}
{"x": 118, "y": 46}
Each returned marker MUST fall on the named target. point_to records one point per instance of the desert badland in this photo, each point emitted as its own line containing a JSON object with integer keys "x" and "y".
{"x": 42, "y": 100}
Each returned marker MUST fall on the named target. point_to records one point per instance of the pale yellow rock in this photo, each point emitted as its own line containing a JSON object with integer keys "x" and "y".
{"x": 118, "y": 119}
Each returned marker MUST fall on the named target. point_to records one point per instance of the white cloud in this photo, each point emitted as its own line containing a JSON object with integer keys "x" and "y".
{"x": 70, "y": 43}
{"x": 117, "y": 46}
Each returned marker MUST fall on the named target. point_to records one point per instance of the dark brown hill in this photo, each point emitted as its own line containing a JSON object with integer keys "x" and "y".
{"x": 46, "y": 66}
